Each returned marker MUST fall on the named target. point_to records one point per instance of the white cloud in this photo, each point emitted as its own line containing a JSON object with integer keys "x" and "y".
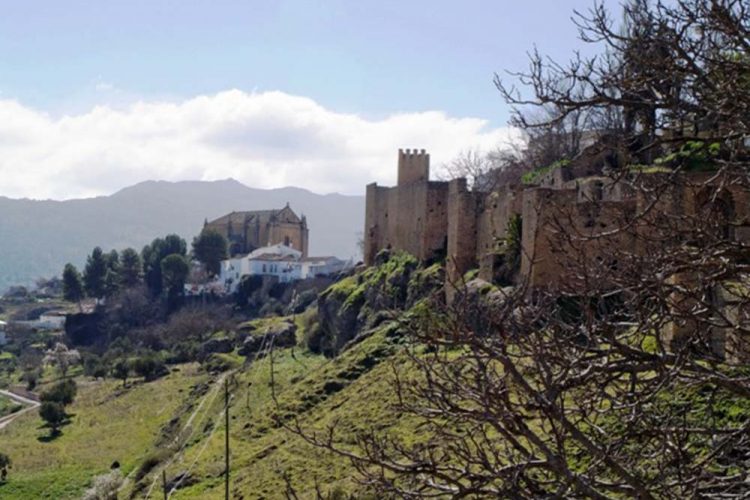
{"x": 269, "y": 139}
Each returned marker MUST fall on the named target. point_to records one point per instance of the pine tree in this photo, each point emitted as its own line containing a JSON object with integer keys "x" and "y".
{"x": 94, "y": 273}
{"x": 72, "y": 284}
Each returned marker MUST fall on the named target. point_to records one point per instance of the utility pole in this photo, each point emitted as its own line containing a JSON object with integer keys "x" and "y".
{"x": 226, "y": 439}
{"x": 164, "y": 483}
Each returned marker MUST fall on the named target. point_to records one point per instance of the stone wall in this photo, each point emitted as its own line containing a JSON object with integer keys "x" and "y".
{"x": 413, "y": 166}
{"x": 412, "y": 216}
{"x": 566, "y": 241}
{"x": 497, "y": 209}
{"x": 290, "y": 234}
{"x": 569, "y": 223}
{"x": 463, "y": 210}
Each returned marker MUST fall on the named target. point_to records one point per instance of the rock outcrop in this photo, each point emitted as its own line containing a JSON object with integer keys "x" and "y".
{"x": 359, "y": 303}
{"x": 281, "y": 334}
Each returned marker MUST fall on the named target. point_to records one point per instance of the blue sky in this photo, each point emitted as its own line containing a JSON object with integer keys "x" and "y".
{"x": 372, "y": 59}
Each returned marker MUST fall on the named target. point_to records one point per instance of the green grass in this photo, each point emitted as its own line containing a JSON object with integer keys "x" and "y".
{"x": 352, "y": 290}
{"x": 649, "y": 169}
{"x": 535, "y": 176}
{"x": 107, "y": 424}
{"x": 353, "y": 389}
{"x": 8, "y": 406}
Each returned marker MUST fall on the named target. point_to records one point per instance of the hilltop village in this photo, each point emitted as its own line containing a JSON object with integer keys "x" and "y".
{"x": 269, "y": 243}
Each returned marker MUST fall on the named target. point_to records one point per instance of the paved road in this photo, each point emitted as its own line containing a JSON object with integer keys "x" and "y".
{"x": 29, "y": 403}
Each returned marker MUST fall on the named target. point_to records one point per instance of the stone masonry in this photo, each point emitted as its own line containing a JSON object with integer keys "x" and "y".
{"x": 566, "y": 218}
{"x": 246, "y": 231}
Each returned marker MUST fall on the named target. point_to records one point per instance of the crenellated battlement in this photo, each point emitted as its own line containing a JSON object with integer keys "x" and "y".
{"x": 413, "y": 166}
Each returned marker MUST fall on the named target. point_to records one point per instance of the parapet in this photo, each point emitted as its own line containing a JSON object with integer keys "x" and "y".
{"x": 456, "y": 186}
{"x": 413, "y": 166}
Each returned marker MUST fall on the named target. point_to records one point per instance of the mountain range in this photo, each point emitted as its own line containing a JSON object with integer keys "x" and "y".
{"x": 37, "y": 237}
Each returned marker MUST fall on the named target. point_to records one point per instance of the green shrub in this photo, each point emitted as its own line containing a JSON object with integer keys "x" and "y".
{"x": 121, "y": 370}
{"x": 693, "y": 156}
{"x": 53, "y": 414}
{"x": 63, "y": 393}
{"x": 149, "y": 367}
{"x": 272, "y": 307}
{"x": 94, "y": 367}
{"x": 31, "y": 377}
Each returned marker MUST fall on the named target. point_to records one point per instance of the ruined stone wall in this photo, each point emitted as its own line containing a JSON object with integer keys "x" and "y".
{"x": 565, "y": 241}
{"x": 434, "y": 228}
{"x": 463, "y": 211}
{"x": 684, "y": 204}
{"x": 378, "y": 203}
{"x": 497, "y": 209}
{"x": 601, "y": 188}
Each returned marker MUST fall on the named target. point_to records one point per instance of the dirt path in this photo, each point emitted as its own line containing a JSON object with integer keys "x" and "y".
{"x": 30, "y": 405}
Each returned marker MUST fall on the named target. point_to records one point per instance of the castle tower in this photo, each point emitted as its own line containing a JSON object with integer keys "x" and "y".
{"x": 413, "y": 166}
{"x": 463, "y": 209}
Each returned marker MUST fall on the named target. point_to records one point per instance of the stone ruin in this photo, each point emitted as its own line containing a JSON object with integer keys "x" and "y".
{"x": 551, "y": 221}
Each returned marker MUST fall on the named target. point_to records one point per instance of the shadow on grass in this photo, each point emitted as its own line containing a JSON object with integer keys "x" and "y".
{"x": 54, "y": 433}
{"x": 49, "y": 437}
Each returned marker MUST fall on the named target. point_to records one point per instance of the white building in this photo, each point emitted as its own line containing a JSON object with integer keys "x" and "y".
{"x": 52, "y": 320}
{"x": 3, "y": 340}
{"x": 283, "y": 262}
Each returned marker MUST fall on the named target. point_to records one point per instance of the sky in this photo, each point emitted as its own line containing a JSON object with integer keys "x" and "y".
{"x": 96, "y": 96}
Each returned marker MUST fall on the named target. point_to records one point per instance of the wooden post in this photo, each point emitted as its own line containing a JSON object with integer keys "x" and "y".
{"x": 164, "y": 483}
{"x": 226, "y": 439}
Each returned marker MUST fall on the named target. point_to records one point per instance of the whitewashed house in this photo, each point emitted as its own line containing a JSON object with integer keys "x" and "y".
{"x": 52, "y": 320}
{"x": 322, "y": 266}
{"x": 3, "y": 339}
{"x": 280, "y": 261}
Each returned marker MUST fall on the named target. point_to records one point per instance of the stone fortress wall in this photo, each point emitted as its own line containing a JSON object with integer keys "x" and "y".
{"x": 412, "y": 216}
{"x": 568, "y": 217}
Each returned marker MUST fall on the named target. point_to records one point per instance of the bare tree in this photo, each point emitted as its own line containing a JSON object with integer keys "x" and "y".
{"x": 63, "y": 357}
{"x": 678, "y": 66}
{"x": 624, "y": 375}
{"x": 487, "y": 171}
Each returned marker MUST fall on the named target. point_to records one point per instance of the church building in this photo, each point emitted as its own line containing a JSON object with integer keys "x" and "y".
{"x": 248, "y": 231}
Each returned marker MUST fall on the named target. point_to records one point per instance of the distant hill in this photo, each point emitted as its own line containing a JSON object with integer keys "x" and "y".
{"x": 38, "y": 237}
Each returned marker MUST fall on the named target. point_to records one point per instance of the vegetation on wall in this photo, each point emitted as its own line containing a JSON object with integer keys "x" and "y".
{"x": 534, "y": 176}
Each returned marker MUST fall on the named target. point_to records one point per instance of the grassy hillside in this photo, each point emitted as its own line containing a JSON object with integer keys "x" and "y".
{"x": 175, "y": 426}
{"x": 176, "y": 423}
{"x": 352, "y": 390}
{"x": 108, "y": 424}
